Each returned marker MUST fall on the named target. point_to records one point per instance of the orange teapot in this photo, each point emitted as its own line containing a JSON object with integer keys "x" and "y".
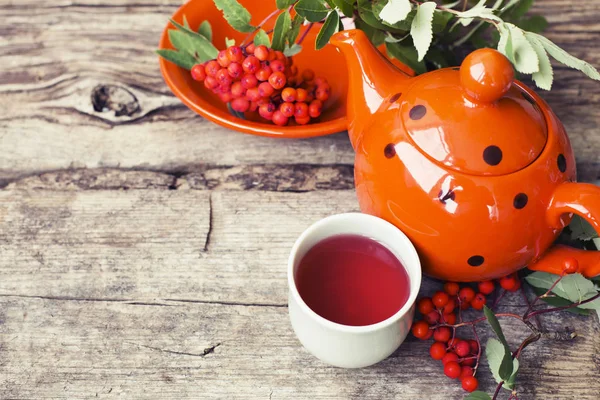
{"x": 472, "y": 165}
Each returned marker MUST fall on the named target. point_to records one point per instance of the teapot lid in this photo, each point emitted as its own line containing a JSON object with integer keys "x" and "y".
{"x": 475, "y": 119}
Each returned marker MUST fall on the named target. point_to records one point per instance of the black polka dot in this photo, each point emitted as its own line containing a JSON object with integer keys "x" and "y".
{"x": 417, "y": 112}
{"x": 389, "y": 151}
{"x": 475, "y": 261}
{"x": 520, "y": 201}
{"x": 492, "y": 155}
{"x": 562, "y": 163}
{"x": 395, "y": 97}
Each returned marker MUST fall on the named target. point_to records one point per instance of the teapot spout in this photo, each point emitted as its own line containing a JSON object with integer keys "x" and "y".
{"x": 372, "y": 79}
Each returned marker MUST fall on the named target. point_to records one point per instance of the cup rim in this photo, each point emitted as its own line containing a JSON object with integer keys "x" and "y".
{"x": 350, "y": 328}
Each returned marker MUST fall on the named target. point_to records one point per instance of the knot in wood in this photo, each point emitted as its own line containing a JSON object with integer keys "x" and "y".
{"x": 114, "y": 98}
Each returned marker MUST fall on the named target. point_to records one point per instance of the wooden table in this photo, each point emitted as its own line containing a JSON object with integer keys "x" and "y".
{"x": 143, "y": 255}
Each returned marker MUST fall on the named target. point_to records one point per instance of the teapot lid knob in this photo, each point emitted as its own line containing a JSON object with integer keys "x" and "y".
{"x": 486, "y": 75}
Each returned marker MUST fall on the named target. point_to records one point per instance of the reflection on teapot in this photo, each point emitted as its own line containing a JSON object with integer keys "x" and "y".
{"x": 472, "y": 165}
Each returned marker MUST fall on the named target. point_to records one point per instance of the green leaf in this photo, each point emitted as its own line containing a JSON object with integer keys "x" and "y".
{"x": 421, "y": 29}
{"x": 345, "y": 6}
{"x": 192, "y": 43}
{"x": 229, "y": 42}
{"x": 573, "y": 287}
{"x": 506, "y": 366}
{"x": 236, "y": 15}
{"x": 405, "y": 52}
{"x": 205, "y": 29}
{"x": 440, "y": 20}
{"x": 292, "y": 50}
{"x": 312, "y": 10}
{"x": 495, "y": 353}
{"x": 185, "y": 22}
{"x": 261, "y": 38}
{"x": 281, "y": 4}
{"x": 367, "y": 13}
{"x": 505, "y": 42}
{"x": 580, "y": 228}
{"x": 395, "y": 11}
{"x": 562, "y": 56}
{"x": 535, "y": 24}
{"x": 295, "y": 29}
{"x": 478, "y": 395}
{"x": 330, "y": 27}
{"x": 556, "y": 301}
{"x": 283, "y": 24}
{"x": 400, "y": 26}
{"x": 544, "y": 77}
{"x": 524, "y": 56}
{"x": 515, "y": 9}
{"x": 184, "y": 60}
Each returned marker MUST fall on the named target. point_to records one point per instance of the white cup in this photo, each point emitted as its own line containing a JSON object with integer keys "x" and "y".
{"x": 343, "y": 345}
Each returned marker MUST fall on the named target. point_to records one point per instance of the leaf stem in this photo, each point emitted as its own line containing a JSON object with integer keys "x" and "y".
{"x": 538, "y": 324}
{"x": 530, "y": 308}
{"x": 305, "y": 32}
{"x": 538, "y": 312}
{"x": 497, "y": 390}
{"x": 259, "y": 26}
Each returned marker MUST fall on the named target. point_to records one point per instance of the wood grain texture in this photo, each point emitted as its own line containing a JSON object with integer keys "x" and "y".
{"x": 181, "y": 294}
{"x": 48, "y": 79}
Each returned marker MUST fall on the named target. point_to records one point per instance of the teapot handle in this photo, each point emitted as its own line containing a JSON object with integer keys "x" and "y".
{"x": 582, "y": 199}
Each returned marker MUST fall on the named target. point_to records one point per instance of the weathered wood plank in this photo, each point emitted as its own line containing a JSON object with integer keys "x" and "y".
{"x": 55, "y": 349}
{"x": 47, "y": 79}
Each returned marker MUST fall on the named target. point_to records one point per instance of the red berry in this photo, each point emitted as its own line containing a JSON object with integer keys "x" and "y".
{"x": 420, "y": 329}
{"x": 240, "y": 104}
{"x": 280, "y": 56}
{"x": 264, "y": 100}
{"x": 308, "y": 75}
{"x": 288, "y": 94}
{"x": 237, "y": 89}
{"x": 261, "y": 52}
{"x": 235, "y": 54}
{"x": 223, "y": 59}
{"x": 315, "y": 108}
{"x": 302, "y": 112}
{"x": 249, "y": 81}
{"x": 198, "y": 72}
{"x": 322, "y": 93}
{"x": 277, "y": 80}
{"x": 440, "y": 299}
{"x": 464, "y": 305}
{"x": 252, "y": 94}
{"x": 287, "y": 109}
{"x": 442, "y": 334}
{"x": 301, "y": 95}
{"x": 424, "y": 305}
{"x": 432, "y": 318}
{"x": 571, "y": 265}
{"x": 212, "y": 67}
{"x": 266, "y": 110}
{"x": 453, "y": 342}
{"x": 449, "y": 357}
{"x": 452, "y": 369}
{"x": 437, "y": 350}
{"x": 253, "y": 106}
{"x": 251, "y": 64}
{"x": 448, "y": 308}
{"x": 465, "y": 371}
{"x": 462, "y": 348}
{"x": 466, "y": 294}
{"x": 486, "y": 287}
{"x": 306, "y": 120}
{"x": 263, "y": 73}
{"x": 223, "y": 77}
{"x": 469, "y": 383}
{"x": 450, "y": 318}
{"x": 473, "y": 346}
{"x": 272, "y": 55}
{"x": 279, "y": 118}
{"x": 250, "y": 48}
{"x": 211, "y": 82}
{"x": 235, "y": 70}
{"x": 277, "y": 66}
{"x": 517, "y": 285}
{"x": 265, "y": 89}
{"x": 508, "y": 282}
{"x": 225, "y": 97}
{"x": 468, "y": 362}
{"x": 320, "y": 81}
{"x": 451, "y": 288}
{"x": 478, "y": 302}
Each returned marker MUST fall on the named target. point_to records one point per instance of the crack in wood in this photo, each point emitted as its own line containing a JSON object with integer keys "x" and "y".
{"x": 210, "y": 223}
{"x": 205, "y": 352}
{"x": 229, "y": 303}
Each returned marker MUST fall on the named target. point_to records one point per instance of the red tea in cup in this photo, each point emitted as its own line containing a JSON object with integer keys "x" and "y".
{"x": 352, "y": 280}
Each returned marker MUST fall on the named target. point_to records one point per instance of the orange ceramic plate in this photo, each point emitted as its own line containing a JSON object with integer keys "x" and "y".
{"x": 326, "y": 62}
